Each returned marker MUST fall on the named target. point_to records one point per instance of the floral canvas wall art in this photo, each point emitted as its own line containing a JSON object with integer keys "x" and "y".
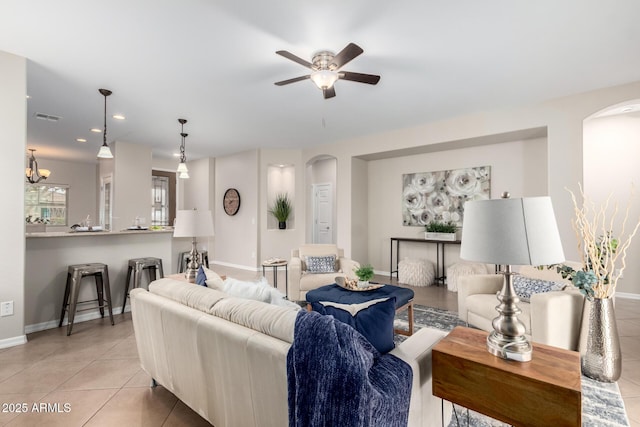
{"x": 440, "y": 196}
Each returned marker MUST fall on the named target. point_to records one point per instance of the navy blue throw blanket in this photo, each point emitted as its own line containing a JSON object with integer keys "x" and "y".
{"x": 337, "y": 378}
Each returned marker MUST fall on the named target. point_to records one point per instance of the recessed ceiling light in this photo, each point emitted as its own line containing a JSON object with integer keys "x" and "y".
{"x": 28, "y": 97}
{"x": 118, "y": 117}
{"x": 81, "y": 140}
{"x": 96, "y": 130}
{"x": 176, "y": 154}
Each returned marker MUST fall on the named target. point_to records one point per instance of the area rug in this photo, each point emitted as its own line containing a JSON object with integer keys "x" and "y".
{"x": 602, "y": 404}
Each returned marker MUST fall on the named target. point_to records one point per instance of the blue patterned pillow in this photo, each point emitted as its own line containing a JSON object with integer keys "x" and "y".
{"x": 373, "y": 319}
{"x": 526, "y": 286}
{"x": 321, "y": 264}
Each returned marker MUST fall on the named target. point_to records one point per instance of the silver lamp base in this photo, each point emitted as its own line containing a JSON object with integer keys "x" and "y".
{"x": 194, "y": 263}
{"x": 512, "y": 348}
{"x": 507, "y": 340}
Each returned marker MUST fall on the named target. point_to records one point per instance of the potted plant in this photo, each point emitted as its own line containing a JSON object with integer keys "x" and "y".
{"x": 440, "y": 230}
{"x": 364, "y": 273}
{"x": 603, "y": 262}
{"x": 281, "y": 209}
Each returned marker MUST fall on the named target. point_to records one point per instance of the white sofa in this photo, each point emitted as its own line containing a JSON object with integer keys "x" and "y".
{"x": 300, "y": 281}
{"x": 225, "y": 357}
{"x": 551, "y": 318}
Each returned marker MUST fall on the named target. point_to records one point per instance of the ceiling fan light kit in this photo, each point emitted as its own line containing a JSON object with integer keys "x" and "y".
{"x": 325, "y": 66}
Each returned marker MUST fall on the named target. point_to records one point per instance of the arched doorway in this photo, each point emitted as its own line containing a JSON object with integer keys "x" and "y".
{"x": 611, "y": 148}
{"x": 321, "y": 176}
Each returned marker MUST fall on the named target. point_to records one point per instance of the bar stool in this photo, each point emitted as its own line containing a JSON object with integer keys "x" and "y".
{"x": 184, "y": 260}
{"x": 75, "y": 273}
{"x": 136, "y": 266}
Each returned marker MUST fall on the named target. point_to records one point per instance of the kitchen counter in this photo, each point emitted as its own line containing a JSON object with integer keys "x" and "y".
{"x": 49, "y": 254}
{"x": 93, "y": 233}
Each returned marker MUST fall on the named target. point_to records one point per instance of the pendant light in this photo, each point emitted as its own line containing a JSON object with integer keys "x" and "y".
{"x": 105, "y": 152}
{"x": 35, "y": 175}
{"x": 182, "y": 170}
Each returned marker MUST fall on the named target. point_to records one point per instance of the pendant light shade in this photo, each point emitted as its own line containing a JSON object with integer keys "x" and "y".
{"x": 182, "y": 170}
{"x": 35, "y": 174}
{"x": 105, "y": 151}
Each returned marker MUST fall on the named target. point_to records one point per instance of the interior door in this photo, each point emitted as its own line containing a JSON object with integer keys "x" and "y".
{"x": 322, "y": 213}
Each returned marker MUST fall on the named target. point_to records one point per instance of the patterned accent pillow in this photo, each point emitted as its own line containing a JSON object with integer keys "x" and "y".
{"x": 526, "y": 286}
{"x": 321, "y": 264}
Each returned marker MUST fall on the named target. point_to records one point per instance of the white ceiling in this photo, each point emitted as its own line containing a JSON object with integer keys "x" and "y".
{"x": 214, "y": 63}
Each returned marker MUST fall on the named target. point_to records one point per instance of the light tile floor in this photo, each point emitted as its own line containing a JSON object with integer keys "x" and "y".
{"x": 93, "y": 378}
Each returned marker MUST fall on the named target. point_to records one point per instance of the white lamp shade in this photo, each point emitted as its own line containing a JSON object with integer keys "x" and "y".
{"x": 520, "y": 231}
{"x": 105, "y": 153}
{"x": 324, "y": 79}
{"x": 193, "y": 223}
{"x": 182, "y": 167}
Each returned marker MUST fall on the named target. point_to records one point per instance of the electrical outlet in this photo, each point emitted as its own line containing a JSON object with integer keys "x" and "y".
{"x": 6, "y": 308}
{"x": 253, "y": 255}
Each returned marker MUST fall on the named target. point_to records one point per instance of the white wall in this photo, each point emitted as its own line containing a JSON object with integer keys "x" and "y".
{"x": 81, "y": 179}
{"x": 611, "y": 155}
{"x": 562, "y": 118}
{"x": 509, "y": 172}
{"x": 236, "y": 240}
{"x": 13, "y": 126}
{"x": 131, "y": 184}
{"x": 274, "y": 242}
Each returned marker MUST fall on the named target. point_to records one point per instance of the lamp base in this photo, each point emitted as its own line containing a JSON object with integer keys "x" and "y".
{"x": 512, "y": 348}
{"x": 194, "y": 263}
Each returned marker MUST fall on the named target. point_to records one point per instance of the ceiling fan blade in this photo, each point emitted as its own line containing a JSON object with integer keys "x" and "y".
{"x": 293, "y": 80}
{"x": 359, "y": 77}
{"x": 329, "y": 92}
{"x": 351, "y": 51}
{"x": 294, "y": 58}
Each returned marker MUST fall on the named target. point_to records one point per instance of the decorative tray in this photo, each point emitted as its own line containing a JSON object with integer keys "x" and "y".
{"x": 352, "y": 285}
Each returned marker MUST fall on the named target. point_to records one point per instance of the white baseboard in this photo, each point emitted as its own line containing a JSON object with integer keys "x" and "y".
{"x": 238, "y": 266}
{"x": 627, "y": 295}
{"x": 381, "y": 273}
{"x": 13, "y": 341}
{"x": 78, "y": 319}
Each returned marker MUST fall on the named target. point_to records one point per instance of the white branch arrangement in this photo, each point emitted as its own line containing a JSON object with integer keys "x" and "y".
{"x": 600, "y": 250}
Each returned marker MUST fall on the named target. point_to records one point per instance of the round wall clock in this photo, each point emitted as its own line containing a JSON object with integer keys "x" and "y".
{"x": 231, "y": 201}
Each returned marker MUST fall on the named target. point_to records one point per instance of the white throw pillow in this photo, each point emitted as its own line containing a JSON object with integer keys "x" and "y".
{"x": 259, "y": 291}
{"x": 213, "y": 280}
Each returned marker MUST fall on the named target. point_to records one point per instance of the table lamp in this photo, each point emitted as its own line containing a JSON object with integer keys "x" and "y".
{"x": 506, "y": 232}
{"x": 193, "y": 223}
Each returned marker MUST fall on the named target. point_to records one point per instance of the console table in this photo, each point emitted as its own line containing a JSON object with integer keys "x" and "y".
{"x": 440, "y": 245}
{"x": 543, "y": 392}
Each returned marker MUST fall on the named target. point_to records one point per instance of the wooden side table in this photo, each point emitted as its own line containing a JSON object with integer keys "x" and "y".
{"x": 543, "y": 392}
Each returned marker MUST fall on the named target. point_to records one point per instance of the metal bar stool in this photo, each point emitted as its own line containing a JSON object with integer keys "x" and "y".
{"x": 75, "y": 273}
{"x": 184, "y": 260}
{"x": 136, "y": 266}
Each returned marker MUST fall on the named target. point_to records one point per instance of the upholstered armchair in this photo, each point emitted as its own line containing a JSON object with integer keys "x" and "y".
{"x": 551, "y": 318}
{"x": 302, "y": 280}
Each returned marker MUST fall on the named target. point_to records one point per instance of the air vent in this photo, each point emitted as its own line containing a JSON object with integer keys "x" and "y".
{"x": 47, "y": 117}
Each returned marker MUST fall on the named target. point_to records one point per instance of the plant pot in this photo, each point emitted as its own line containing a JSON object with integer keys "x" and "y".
{"x": 600, "y": 355}
{"x": 363, "y": 284}
{"x": 282, "y": 225}
{"x": 449, "y": 237}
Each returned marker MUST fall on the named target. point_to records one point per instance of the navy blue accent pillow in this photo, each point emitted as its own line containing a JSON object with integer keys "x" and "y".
{"x": 374, "y": 322}
{"x": 201, "y": 278}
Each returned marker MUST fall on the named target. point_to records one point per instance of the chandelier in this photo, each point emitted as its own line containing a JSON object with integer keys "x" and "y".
{"x": 34, "y": 174}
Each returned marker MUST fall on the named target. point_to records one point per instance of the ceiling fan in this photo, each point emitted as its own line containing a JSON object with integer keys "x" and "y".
{"x": 325, "y": 68}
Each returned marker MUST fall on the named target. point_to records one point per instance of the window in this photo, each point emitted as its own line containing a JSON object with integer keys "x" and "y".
{"x": 163, "y": 190}
{"x": 46, "y": 203}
